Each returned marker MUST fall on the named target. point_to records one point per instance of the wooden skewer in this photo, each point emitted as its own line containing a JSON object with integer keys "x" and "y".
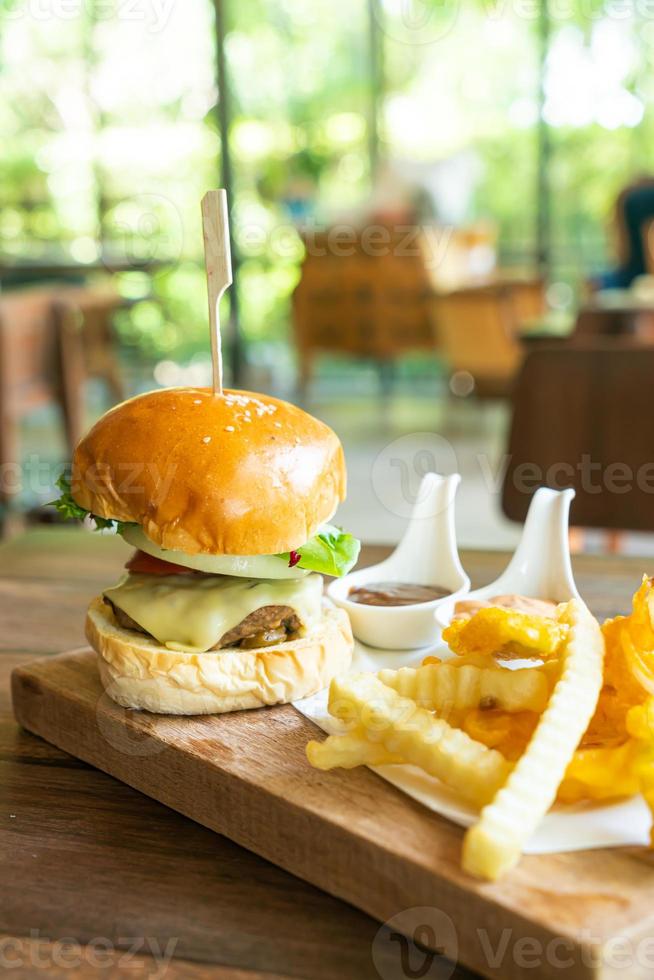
{"x": 218, "y": 263}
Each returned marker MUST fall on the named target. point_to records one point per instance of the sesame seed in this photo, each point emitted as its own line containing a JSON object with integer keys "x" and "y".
{"x": 277, "y": 425}
{"x": 197, "y": 401}
{"x": 229, "y": 428}
{"x": 207, "y": 439}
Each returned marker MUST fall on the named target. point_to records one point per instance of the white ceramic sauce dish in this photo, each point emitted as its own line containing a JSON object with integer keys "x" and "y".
{"x": 540, "y": 567}
{"x": 426, "y": 555}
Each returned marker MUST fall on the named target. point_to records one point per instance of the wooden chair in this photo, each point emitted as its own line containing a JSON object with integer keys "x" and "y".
{"x": 476, "y": 329}
{"x": 88, "y": 311}
{"x": 581, "y": 418}
{"x": 527, "y": 298}
{"x": 360, "y": 304}
{"x": 40, "y": 363}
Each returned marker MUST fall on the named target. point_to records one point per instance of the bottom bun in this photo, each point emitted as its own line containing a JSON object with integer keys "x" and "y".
{"x": 137, "y": 672}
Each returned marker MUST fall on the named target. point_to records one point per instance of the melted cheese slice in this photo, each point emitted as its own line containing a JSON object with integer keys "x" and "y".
{"x": 190, "y": 612}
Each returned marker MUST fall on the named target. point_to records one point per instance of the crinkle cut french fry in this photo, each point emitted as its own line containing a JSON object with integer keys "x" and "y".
{"x": 449, "y": 688}
{"x": 418, "y": 737}
{"x": 495, "y": 843}
{"x": 348, "y": 751}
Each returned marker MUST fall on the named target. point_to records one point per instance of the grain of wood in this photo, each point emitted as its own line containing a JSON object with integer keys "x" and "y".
{"x": 111, "y": 861}
{"x": 69, "y": 960}
{"x": 245, "y": 775}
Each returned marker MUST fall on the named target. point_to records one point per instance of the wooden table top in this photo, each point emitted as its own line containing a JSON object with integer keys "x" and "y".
{"x": 118, "y": 876}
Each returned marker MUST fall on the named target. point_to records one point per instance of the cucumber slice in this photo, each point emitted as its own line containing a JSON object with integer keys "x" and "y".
{"x": 245, "y": 566}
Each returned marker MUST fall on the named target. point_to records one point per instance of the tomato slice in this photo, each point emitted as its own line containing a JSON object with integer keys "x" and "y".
{"x": 142, "y": 562}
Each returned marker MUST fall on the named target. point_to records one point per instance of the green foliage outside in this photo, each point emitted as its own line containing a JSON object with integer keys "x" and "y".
{"x": 110, "y": 135}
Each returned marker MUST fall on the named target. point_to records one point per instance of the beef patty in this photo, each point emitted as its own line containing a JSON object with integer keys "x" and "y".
{"x": 263, "y": 627}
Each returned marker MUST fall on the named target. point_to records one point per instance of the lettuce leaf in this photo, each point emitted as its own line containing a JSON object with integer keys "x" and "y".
{"x": 71, "y": 510}
{"x": 331, "y": 552}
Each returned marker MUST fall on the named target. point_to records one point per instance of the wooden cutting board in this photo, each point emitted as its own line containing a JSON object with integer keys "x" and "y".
{"x": 245, "y": 775}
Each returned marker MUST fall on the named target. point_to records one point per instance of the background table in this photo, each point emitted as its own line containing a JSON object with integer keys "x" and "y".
{"x": 621, "y": 316}
{"x": 86, "y": 858}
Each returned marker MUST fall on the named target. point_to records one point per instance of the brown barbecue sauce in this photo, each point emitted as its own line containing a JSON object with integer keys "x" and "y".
{"x": 395, "y": 593}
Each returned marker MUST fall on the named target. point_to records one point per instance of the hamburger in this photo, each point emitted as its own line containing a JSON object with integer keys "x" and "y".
{"x": 226, "y": 501}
